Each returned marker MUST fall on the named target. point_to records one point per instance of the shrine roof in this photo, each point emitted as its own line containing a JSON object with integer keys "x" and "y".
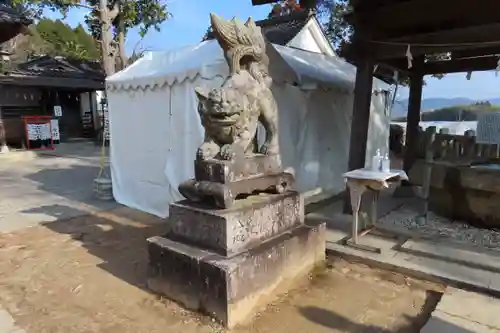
{"x": 12, "y": 22}
{"x": 280, "y": 30}
{"x": 11, "y": 16}
{"x": 53, "y": 71}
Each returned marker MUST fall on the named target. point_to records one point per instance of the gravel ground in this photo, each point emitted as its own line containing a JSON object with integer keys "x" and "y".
{"x": 436, "y": 226}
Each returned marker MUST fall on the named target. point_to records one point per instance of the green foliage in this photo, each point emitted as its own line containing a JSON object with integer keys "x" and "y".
{"x": 87, "y": 42}
{"x": 62, "y": 40}
{"x": 331, "y": 13}
{"x": 143, "y": 14}
{"x": 54, "y": 38}
{"x": 458, "y": 112}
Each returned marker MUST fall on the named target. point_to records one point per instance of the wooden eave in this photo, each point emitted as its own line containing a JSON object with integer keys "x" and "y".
{"x": 303, "y": 3}
{"x": 385, "y": 28}
{"x": 263, "y": 2}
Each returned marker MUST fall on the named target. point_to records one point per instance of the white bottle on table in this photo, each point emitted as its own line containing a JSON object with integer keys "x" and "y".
{"x": 386, "y": 163}
{"x": 377, "y": 161}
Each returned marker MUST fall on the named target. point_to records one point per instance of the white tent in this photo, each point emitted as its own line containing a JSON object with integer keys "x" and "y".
{"x": 155, "y": 127}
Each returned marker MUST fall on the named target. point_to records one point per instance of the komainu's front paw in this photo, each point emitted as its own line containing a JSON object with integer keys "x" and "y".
{"x": 201, "y": 154}
{"x": 269, "y": 149}
{"x": 226, "y": 152}
{"x": 206, "y": 151}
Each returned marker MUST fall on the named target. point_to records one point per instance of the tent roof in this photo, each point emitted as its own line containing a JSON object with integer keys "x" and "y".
{"x": 316, "y": 67}
{"x": 206, "y": 59}
{"x": 160, "y": 68}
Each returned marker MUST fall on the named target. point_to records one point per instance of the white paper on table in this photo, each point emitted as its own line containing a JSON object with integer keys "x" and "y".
{"x": 367, "y": 174}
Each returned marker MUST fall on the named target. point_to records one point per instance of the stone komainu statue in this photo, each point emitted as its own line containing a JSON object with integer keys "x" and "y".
{"x": 226, "y": 165}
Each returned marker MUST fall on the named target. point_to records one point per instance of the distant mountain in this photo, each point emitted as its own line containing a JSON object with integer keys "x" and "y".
{"x": 401, "y": 107}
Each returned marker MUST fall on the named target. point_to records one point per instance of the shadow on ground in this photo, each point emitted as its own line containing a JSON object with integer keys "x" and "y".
{"x": 117, "y": 237}
{"x": 334, "y": 321}
{"x": 74, "y": 183}
{"x": 78, "y": 149}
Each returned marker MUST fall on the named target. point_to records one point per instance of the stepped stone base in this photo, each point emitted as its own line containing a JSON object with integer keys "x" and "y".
{"x": 232, "y": 289}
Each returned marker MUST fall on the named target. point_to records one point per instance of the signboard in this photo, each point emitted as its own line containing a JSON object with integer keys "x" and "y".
{"x": 106, "y": 124}
{"x": 39, "y": 132}
{"x": 57, "y": 111}
{"x": 488, "y": 128}
{"x": 56, "y": 136}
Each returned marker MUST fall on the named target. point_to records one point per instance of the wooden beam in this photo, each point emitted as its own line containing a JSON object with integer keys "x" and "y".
{"x": 461, "y": 65}
{"x": 446, "y": 41}
{"x": 413, "y": 118}
{"x": 364, "y": 6}
{"x": 424, "y": 16}
{"x": 490, "y": 50}
{"x": 449, "y": 66}
{"x": 474, "y": 34}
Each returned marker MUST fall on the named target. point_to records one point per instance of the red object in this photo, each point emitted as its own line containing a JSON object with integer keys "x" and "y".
{"x": 38, "y": 120}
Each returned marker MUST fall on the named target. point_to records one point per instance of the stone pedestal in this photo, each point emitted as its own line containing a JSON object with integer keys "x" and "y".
{"x": 221, "y": 182}
{"x": 229, "y": 263}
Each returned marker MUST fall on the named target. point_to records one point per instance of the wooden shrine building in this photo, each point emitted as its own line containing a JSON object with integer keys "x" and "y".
{"x": 43, "y": 85}
{"x": 37, "y": 87}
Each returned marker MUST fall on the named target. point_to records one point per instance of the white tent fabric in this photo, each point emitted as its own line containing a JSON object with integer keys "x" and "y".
{"x": 155, "y": 127}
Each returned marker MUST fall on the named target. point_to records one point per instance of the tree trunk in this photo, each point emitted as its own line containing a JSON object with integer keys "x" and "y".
{"x": 106, "y": 38}
{"x": 121, "y": 42}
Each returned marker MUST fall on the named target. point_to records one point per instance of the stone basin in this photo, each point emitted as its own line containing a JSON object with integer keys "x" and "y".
{"x": 469, "y": 192}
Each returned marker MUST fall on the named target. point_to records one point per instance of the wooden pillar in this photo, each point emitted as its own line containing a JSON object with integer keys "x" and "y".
{"x": 360, "y": 121}
{"x": 3, "y": 137}
{"x": 413, "y": 117}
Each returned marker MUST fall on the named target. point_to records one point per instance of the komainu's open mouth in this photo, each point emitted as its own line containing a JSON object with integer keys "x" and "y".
{"x": 224, "y": 118}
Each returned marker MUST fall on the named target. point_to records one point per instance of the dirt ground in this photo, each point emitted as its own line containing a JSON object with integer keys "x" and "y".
{"x": 87, "y": 274}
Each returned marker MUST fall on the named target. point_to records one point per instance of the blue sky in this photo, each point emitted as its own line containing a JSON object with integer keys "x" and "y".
{"x": 191, "y": 19}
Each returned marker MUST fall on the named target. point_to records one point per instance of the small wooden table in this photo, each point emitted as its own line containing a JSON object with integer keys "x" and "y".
{"x": 359, "y": 181}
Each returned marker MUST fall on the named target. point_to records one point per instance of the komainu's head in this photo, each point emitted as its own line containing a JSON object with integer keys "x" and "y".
{"x": 216, "y": 110}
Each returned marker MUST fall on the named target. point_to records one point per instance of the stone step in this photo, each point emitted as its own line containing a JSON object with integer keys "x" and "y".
{"x": 461, "y": 311}
{"x": 474, "y": 257}
{"x": 443, "y": 323}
